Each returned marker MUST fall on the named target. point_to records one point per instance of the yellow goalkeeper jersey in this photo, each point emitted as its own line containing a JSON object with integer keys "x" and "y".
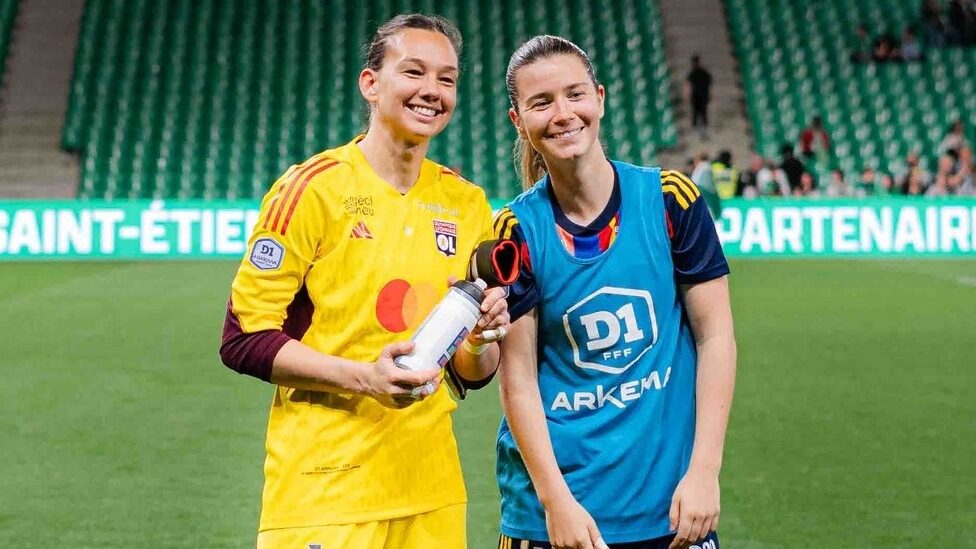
{"x": 373, "y": 263}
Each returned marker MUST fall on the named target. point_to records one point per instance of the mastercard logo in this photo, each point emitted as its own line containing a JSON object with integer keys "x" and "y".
{"x": 402, "y": 306}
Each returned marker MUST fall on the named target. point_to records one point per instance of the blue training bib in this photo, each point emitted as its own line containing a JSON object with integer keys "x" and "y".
{"x": 617, "y": 369}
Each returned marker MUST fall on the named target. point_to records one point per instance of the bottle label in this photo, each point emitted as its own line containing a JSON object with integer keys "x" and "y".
{"x": 449, "y": 352}
{"x": 442, "y": 332}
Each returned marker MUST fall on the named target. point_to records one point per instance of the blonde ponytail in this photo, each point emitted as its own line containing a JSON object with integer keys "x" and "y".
{"x": 528, "y": 163}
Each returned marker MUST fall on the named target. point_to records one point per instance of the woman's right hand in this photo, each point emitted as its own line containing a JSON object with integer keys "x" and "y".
{"x": 570, "y": 526}
{"x": 394, "y": 387}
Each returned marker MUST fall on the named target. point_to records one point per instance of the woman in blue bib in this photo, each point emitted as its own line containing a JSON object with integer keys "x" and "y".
{"x": 617, "y": 377}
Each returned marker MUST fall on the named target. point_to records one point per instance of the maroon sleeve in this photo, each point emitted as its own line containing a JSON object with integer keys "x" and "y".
{"x": 253, "y": 353}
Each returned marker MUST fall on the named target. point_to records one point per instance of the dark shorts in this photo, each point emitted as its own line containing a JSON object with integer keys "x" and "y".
{"x": 710, "y": 542}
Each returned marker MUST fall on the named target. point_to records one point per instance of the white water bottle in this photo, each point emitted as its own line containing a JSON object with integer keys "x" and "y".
{"x": 445, "y": 328}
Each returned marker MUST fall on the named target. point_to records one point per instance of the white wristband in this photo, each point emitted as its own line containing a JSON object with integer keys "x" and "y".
{"x": 474, "y": 349}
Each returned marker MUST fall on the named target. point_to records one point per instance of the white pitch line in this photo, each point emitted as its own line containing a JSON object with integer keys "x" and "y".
{"x": 962, "y": 280}
{"x": 967, "y": 280}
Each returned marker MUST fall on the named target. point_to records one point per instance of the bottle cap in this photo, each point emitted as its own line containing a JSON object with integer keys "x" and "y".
{"x": 474, "y": 291}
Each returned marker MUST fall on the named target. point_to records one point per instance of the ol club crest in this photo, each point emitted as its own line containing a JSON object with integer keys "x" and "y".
{"x": 445, "y": 237}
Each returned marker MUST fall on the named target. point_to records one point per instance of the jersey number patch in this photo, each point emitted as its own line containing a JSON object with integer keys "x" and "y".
{"x": 611, "y": 329}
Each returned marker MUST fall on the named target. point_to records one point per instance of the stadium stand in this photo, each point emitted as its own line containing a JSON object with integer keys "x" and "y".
{"x": 8, "y": 12}
{"x": 698, "y": 27}
{"x": 215, "y": 98}
{"x": 795, "y": 61}
{"x": 35, "y": 84}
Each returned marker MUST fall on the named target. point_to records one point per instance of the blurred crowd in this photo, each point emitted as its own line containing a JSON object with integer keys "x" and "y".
{"x": 953, "y": 25}
{"x": 802, "y": 170}
{"x": 937, "y": 27}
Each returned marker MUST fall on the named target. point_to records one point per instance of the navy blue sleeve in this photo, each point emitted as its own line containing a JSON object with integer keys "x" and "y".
{"x": 695, "y": 247}
{"x": 523, "y": 294}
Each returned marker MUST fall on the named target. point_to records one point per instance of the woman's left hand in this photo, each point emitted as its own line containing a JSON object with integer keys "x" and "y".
{"x": 694, "y": 507}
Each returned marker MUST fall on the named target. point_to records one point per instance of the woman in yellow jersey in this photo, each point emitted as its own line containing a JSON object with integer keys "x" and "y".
{"x": 352, "y": 249}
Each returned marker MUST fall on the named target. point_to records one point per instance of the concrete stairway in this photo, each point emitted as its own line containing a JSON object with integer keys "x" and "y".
{"x": 34, "y": 100}
{"x": 699, "y": 26}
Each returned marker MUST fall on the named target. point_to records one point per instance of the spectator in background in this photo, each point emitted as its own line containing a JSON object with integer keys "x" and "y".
{"x": 698, "y": 86}
{"x": 959, "y": 168}
{"x": 913, "y": 185}
{"x": 701, "y": 173}
{"x": 969, "y": 38}
{"x": 961, "y": 22}
{"x": 965, "y": 172}
{"x": 944, "y": 183}
{"x": 867, "y": 183}
{"x": 814, "y": 141}
{"x": 932, "y": 24}
{"x": 748, "y": 185}
{"x": 913, "y": 170}
{"x": 838, "y": 187}
{"x": 772, "y": 181}
{"x": 791, "y": 166}
{"x": 911, "y": 48}
{"x": 725, "y": 177}
{"x": 886, "y": 186}
{"x": 808, "y": 186}
{"x": 861, "y": 48}
{"x": 885, "y": 49}
{"x": 954, "y": 140}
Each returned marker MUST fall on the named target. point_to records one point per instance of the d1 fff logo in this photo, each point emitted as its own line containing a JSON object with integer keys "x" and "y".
{"x": 445, "y": 235}
{"x": 611, "y": 328}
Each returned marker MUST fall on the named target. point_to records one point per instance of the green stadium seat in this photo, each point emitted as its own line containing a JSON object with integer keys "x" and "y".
{"x": 163, "y": 104}
{"x": 8, "y": 13}
{"x": 874, "y": 113}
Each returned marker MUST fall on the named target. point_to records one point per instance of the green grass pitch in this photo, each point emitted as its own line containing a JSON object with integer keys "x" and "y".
{"x": 854, "y": 422}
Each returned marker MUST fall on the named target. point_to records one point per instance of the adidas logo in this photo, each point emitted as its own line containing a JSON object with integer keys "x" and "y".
{"x": 361, "y": 231}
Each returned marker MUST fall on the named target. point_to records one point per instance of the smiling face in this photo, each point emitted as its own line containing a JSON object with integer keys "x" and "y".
{"x": 414, "y": 92}
{"x": 558, "y": 108}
